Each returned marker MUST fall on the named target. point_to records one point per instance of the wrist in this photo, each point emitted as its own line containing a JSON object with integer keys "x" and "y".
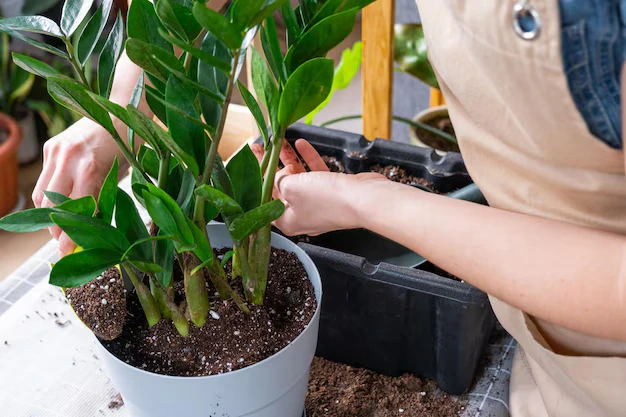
{"x": 361, "y": 196}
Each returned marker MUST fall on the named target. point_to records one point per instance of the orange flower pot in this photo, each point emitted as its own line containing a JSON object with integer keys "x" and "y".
{"x": 9, "y": 163}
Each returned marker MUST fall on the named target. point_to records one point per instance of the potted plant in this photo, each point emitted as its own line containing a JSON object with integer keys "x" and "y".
{"x": 410, "y": 53}
{"x": 215, "y": 320}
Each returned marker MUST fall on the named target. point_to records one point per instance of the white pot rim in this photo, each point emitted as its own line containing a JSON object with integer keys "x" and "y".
{"x": 301, "y": 254}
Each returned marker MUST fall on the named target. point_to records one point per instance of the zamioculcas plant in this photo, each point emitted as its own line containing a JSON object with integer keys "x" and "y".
{"x": 191, "y": 57}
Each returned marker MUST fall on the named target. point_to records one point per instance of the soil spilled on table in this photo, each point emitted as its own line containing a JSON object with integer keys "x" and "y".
{"x": 337, "y": 390}
{"x": 444, "y": 124}
{"x": 230, "y": 340}
{"x": 101, "y": 304}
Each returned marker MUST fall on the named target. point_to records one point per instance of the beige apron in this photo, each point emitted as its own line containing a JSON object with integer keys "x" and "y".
{"x": 529, "y": 150}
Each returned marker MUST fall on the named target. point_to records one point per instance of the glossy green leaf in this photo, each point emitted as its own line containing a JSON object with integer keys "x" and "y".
{"x": 243, "y": 11}
{"x": 76, "y": 97}
{"x": 255, "y": 219}
{"x": 333, "y": 7}
{"x": 79, "y": 268}
{"x": 226, "y": 258}
{"x": 179, "y": 217}
{"x": 159, "y": 213}
{"x": 218, "y": 25}
{"x": 321, "y": 38}
{"x": 151, "y": 130}
{"x": 108, "y": 194}
{"x": 34, "y": 66}
{"x": 411, "y": 53}
{"x": 345, "y": 72}
{"x": 164, "y": 256}
{"x": 220, "y": 177}
{"x": 56, "y": 198}
{"x": 254, "y": 108}
{"x": 245, "y": 177}
{"x": 177, "y": 16}
{"x": 267, "y": 11}
{"x": 147, "y": 267}
{"x": 32, "y": 220}
{"x": 135, "y": 99}
{"x": 203, "y": 251}
{"x": 93, "y": 30}
{"x": 205, "y": 57}
{"x": 212, "y": 79}
{"x": 38, "y": 44}
{"x": 33, "y": 7}
{"x": 109, "y": 56}
{"x": 191, "y": 85}
{"x": 139, "y": 183}
{"x": 167, "y": 106}
{"x": 33, "y": 24}
{"x": 271, "y": 48}
{"x": 265, "y": 87}
{"x": 185, "y": 192}
{"x": 145, "y": 55}
{"x": 306, "y": 88}
{"x": 149, "y": 162}
{"x": 223, "y": 202}
{"x": 189, "y": 136}
{"x": 128, "y": 221}
{"x": 90, "y": 233}
{"x": 145, "y": 25}
{"x": 293, "y": 29}
{"x": 74, "y": 12}
{"x": 20, "y": 85}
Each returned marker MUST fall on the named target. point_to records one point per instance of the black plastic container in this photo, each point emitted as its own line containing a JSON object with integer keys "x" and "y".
{"x": 384, "y": 317}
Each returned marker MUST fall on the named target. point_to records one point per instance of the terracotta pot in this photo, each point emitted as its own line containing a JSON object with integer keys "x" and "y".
{"x": 9, "y": 163}
{"x": 424, "y": 117}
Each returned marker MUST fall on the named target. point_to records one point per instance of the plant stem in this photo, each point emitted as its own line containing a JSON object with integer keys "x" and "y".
{"x": 147, "y": 301}
{"x": 164, "y": 170}
{"x": 195, "y": 290}
{"x": 413, "y": 123}
{"x": 266, "y": 158}
{"x": 75, "y": 64}
{"x": 268, "y": 183}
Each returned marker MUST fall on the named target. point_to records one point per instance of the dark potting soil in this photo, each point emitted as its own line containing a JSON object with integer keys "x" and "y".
{"x": 101, "y": 304}
{"x": 397, "y": 174}
{"x": 337, "y": 390}
{"x": 334, "y": 164}
{"x": 230, "y": 340}
{"x": 444, "y": 124}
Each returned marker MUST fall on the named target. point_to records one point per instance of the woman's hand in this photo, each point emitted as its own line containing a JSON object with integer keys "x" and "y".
{"x": 75, "y": 164}
{"x": 319, "y": 201}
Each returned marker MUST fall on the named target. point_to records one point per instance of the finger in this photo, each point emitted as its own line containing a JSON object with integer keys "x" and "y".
{"x": 289, "y": 157}
{"x": 310, "y": 156}
{"x": 66, "y": 245}
{"x": 62, "y": 185}
{"x": 289, "y": 170}
{"x": 42, "y": 184}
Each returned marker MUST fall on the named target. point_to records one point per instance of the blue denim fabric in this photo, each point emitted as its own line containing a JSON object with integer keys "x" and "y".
{"x": 593, "y": 38}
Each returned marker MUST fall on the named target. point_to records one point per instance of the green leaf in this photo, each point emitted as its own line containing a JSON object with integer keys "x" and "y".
{"x": 212, "y": 79}
{"x": 90, "y": 233}
{"x": 139, "y": 183}
{"x": 179, "y": 217}
{"x": 271, "y": 47}
{"x": 306, "y": 88}
{"x": 21, "y": 83}
{"x": 156, "y": 102}
{"x": 333, "y": 7}
{"x": 189, "y": 136}
{"x": 160, "y": 214}
{"x": 76, "y": 97}
{"x": 145, "y": 25}
{"x": 185, "y": 192}
{"x": 264, "y": 86}
{"x": 41, "y": 45}
{"x": 147, "y": 267}
{"x": 92, "y": 32}
{"x": 34, "y": 66}
{"x": 223, "y": 202}
{"x": 201, "y": 266}
{"x": 145, "y": 55}
{"x": 147, "y": 128}
{"x": 203, "y": 56}
{"x": 321, "y": 38}
{"x": 135, "y": 99}
{"x": 255, "y": 219}
{"x": 192, "y": 85}
{"x": 164, "y": 256}
{"x": 243, "y": 11}
{"x": 33, "y": 7}
{"x": 33, "y": 24}
{"x": 411, "y": 53}
{"x": 150, "y": 162}
{"x": 158, "y": 98}
{"x": 218, "y": 25}
{"x": 177, "y": 16}
{"x": 109, "y": 56}
{"x": 267, "y": 12}
{"x": 245, "y": 177}
{"x": 39, "y": 218}
{"x": 80, "y": 268}
{"x": 345, "y": 72}
{"x": 56, "y": 198}
{"x": 128, "y": 221}
{"x": 226, "y": 258}
{"x": 255, "y": 110}
{"x": 203, "y": 251}
{"x": 293, "y": 29}
{"x": 108, "y": 194}
{"x": 220, "y": 177}
{"x": 74, "y": 12}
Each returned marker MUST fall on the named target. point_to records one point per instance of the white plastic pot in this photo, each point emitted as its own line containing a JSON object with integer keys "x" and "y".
{"x": 274, "y": 387}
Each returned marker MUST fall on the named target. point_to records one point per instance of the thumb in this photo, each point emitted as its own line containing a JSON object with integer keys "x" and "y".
{"x": 282, "y": 174}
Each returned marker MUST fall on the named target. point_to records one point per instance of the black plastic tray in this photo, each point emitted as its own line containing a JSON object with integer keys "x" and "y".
{"x": 387, "y": 318}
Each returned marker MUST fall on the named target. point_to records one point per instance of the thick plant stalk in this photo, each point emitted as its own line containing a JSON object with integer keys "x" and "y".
{"x": 195, "y": 290}
{"x": 180, "y": 322}
{"x": 160, "y": 297}
{"x": 147, "y": 301}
